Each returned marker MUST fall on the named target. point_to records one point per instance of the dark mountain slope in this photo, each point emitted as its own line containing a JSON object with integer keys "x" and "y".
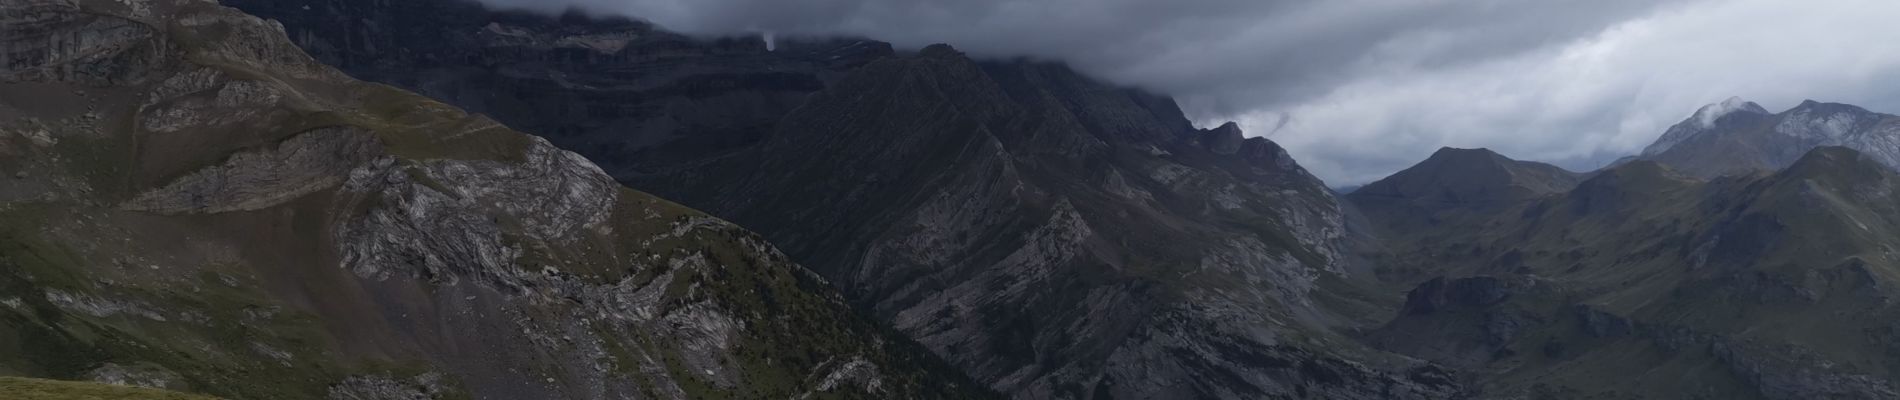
{"x": 1643, "y": 283}
{"x": 1406, "y": 213}
{"x": 191, "y": 202}
{"x": 1470, "y": 178}
{"x": 1051, "y": 235}
{"x": 626, "y": 95}
{"x": 1058, "y": 237}
{"x": 1453, "y": 182}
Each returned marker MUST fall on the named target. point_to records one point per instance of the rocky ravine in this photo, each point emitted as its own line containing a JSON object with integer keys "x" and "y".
{"x": 191, "y": 202}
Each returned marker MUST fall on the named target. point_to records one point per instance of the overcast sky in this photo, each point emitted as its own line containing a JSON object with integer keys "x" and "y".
{"x": 1357, "y": 89}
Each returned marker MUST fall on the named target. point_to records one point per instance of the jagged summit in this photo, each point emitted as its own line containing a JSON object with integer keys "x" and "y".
{"x": 1225, "y": 139}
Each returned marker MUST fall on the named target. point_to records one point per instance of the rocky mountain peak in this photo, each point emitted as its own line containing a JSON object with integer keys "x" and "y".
{"x": 1824, "y": 121}
{"x": 940, "y": 50}
{"x": 1225, "y": 139}
{"x": 1706, "y": 118}
{"x": 1707, "y": 115}
{"x": 1742, "y": 139}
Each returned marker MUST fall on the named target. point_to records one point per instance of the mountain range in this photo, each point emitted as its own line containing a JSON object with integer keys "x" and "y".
{"x": 428, "y": 199}
{"x": 1646, "y": 280}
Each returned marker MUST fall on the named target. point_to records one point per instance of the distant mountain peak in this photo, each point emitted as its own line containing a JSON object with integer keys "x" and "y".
{"x": 1456, "y": 177}
{"x": 1822, "y": 106}
{"x": 1705, "y": 119}
{"x": 1707, "y": 115}
{"x": 1738, "y": 137}
{"x": 1477, "y": 153}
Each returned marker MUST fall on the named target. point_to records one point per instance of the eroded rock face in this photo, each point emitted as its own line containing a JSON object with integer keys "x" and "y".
{"x": 450, "y": 218}
{"x": 149, "y": 376}
{"x": 254, "y": 180}
{"x": 225, "y": 212}
{"x": 47, "y": 42}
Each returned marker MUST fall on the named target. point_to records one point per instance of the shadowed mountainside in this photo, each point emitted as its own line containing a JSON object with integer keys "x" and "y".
{"x": 1642, "y": 282}
{"x": 1051, "y": 235}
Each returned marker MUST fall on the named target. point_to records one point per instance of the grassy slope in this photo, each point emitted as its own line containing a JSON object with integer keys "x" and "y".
{"x": 17, "y": 388}
{"x": 1718, "y": 279}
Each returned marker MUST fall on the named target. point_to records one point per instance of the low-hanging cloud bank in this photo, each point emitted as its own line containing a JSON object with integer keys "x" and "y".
{"x": 1357, "y": 89}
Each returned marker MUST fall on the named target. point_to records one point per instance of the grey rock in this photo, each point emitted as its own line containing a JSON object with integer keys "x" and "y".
{"x": 1225, "y": 139}
{"x": 258, "y": 179}
{"x": 140, "y": 375}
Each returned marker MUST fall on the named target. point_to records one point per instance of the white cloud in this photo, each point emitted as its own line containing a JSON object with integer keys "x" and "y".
{"x": 1591, "y": 100}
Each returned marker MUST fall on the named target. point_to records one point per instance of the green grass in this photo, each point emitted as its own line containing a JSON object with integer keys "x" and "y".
{"x": 16, "y": 388}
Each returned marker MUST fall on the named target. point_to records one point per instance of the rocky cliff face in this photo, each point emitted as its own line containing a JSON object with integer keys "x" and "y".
{"x": 1060, "y": 238}
{"x": 193, "y": 203}
{"x": 1053, "y": 236}
{"x": 1737, "y": 137}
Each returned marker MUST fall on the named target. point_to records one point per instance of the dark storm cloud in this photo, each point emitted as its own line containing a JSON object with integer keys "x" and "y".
{"x": 1227, "y": 55}
{"x": 1359, "y": 88}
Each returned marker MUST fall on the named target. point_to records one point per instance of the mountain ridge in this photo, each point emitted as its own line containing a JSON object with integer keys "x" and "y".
{"x": 1641, "y": 271}
{"x": 1749, "y": 139}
